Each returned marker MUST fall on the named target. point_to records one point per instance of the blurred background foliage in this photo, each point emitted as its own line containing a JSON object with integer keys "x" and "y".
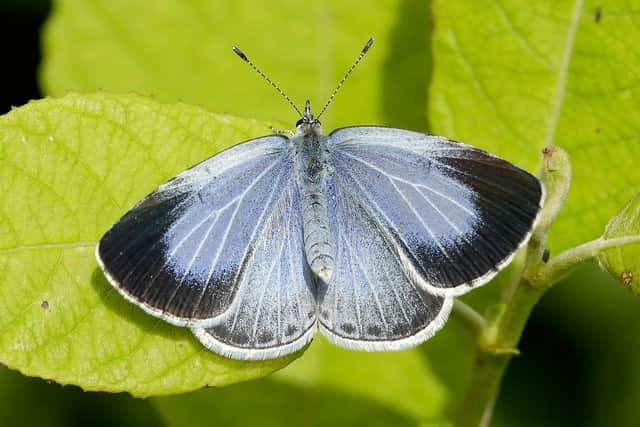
{"x": 580, "y": 351}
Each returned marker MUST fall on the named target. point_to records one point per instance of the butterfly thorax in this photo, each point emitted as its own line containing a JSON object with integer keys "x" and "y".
{"x": 311, "y": 173}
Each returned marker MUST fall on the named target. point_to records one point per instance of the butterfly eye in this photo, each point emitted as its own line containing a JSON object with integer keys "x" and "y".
{"x": 299, "y": 122}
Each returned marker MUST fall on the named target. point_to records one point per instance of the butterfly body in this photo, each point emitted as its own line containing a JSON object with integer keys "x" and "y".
{"x": 310, "y": 148}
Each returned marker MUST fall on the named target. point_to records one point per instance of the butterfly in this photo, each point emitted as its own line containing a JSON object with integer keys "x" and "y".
{"x": 367, "y": 234}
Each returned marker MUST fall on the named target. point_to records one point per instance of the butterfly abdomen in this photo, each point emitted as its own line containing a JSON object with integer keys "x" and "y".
{"x": 311, "y": 172}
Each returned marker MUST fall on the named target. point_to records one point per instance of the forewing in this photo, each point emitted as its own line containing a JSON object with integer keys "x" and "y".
{"x": 456, "y": 214}
{"x": 273, "y": 312}
{"x": 372, "y": 302}
{"x": 182, "y": 251}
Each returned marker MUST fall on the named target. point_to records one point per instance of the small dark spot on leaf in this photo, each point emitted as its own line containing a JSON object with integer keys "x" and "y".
{"x": 45, "y": 304}
{"x": 597, "y": 130}
{"x": 626, "y": 277}
{"x": 598, "y": 14}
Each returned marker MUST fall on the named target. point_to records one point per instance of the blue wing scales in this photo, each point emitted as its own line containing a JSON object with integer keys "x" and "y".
{"x": 182, "y": 252}
{"x": 372, "y": 302}
{"x": 455, "y": 213}
{"x": 274, "y": 310}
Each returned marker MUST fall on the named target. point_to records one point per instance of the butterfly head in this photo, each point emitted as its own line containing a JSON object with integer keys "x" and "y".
{"x": 307, "y": 123}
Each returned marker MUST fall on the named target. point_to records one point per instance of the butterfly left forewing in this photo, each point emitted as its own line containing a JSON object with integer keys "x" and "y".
{"x": 179, "y": 253}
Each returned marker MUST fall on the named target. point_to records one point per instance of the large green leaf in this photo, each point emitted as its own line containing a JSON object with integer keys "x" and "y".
{"x": 69, "y": 168}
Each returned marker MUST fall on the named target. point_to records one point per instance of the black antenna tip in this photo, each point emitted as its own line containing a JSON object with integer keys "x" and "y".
{"x": 367, "y": 46}
{"x": 240, "y": 54}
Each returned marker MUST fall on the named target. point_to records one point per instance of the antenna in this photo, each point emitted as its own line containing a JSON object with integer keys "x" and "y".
{"x": 257, "y": 70}
{"x": 349, "y": 71}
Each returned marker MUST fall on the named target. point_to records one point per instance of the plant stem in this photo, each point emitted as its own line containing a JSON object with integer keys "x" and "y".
{"x": 497, "y": 344}
{"x": 562, "y": 264}
{"x": 492, "y": 357}
{"x": 499, "y": 338}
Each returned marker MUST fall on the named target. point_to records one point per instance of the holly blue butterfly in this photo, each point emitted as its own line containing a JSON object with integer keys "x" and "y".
{"x": 367, "y": 234}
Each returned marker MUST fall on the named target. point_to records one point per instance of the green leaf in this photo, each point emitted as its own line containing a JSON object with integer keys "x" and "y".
{"x": 69, "y": 168}
{"x": 623, "y": 262}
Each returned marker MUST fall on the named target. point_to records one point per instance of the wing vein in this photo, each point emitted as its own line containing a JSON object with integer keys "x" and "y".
{"x": 395, "y": 293}
{"x": 355, "y": 287}
{"x": 368, "y": 280}
{"x": 391, "y": 176}
{"x": 163, "y": 189}
{"x": 207, "y": 282}
{"x": 193, "y": 258}
{"x": 184, "y": 239}
{"x": 266, "y": 282}
{"x": 424, "y": 225}
{"x": 295, "y": 291}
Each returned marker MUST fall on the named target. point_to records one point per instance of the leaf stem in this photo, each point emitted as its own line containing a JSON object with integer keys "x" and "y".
{"x": 562, "y": 264}
{"x": 472, "y": 320}
{"x": 493, "y": 357}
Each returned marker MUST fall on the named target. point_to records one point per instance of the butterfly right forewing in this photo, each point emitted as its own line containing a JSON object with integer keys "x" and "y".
{"x": 455, "y": 213}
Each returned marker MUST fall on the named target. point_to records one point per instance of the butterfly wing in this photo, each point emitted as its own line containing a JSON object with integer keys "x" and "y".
{"x": 190, "y": 248}
{"x": 273, "y": 312}
{"x": 371, "y": 302}
{"x": 455, "y": 214}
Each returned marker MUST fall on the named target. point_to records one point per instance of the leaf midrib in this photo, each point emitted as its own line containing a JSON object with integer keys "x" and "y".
{"x": 43, "y": 246}
{"x": 563, "y": 73}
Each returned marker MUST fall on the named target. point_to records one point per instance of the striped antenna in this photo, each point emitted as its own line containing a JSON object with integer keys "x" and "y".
{"x": 263, "y": 75}
{"x": 365, "y": 49}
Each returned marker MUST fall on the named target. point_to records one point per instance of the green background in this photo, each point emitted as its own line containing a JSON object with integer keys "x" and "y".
{"x": 507, "y": 76}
